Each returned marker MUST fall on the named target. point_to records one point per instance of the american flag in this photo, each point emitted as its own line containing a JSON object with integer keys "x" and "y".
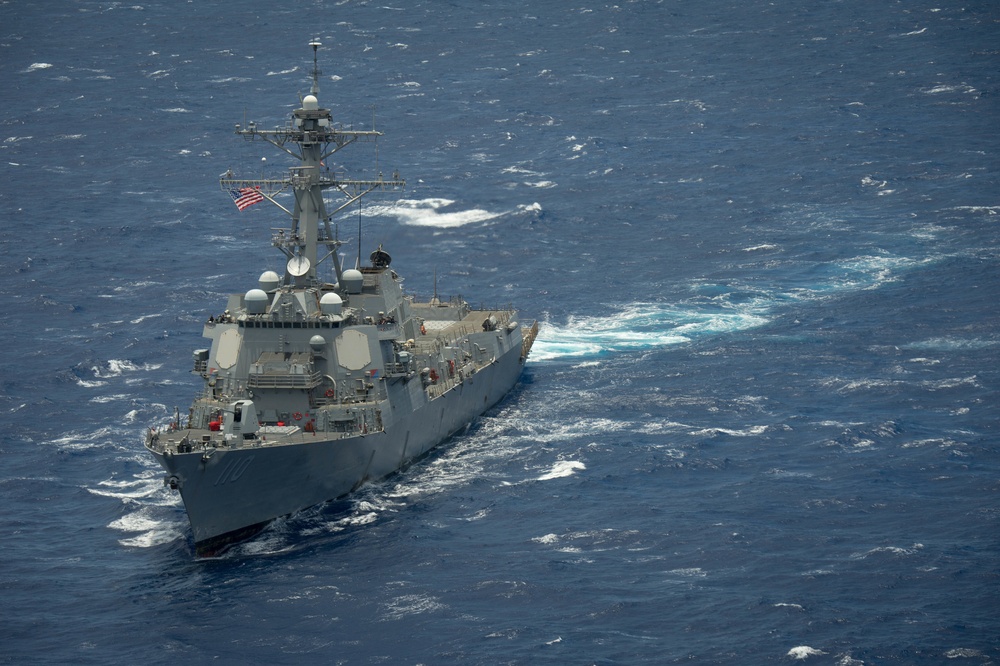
{"x": 246, "y": 197}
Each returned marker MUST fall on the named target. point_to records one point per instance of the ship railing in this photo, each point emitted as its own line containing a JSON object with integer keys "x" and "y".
{"x": 499, "y": 310}
{"x": 397, "y": 369}
{"x": 388, "y": 331}
{"x": 284, "y": 381}
{"x": 529, "y": 334}
{"x": 502, "y": 315}
{"x": 455, "y": 301}
{"x": 446, "y": 383}
{"x": 450, "y": 337}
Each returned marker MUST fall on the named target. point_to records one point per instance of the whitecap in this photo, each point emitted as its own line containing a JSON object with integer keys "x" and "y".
{"x": 989, "y": 210}
{"x": 688, "y": 572}
{"x": 952, "y": 382}
{"x": 84, "y": 441}
{"x": 962, "y": 653}
{"x": 944, "y": 88}
{"x": 412, "y": 604}
{"x": 890, "y": 550}
{"x": 430, "y": 213}
{"x": 858, "y": 384}
{"x": 118, "y": 367}
{"x": 520, "y": 170}
{"x": 34, "y": 67}
{"x": 803, "y": 652}
{"x": 104, "y": 399}
{"x": 952, "y": 344}
{"x": 785, "y": 474}
{"x": 561, "y": 469}
{"x": 746, "y": 432}
{"x": 546, "y": 539}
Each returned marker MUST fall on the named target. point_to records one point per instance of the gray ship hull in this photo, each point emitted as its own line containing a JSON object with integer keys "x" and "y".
{"x": 230, "y": 494}
{"x": 319, "y": 379}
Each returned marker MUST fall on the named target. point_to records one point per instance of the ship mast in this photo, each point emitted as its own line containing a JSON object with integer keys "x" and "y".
{"x": 310, "y": 137}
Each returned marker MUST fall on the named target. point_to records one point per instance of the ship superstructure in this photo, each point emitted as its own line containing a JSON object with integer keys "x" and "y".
{"x": 313, "y": 386}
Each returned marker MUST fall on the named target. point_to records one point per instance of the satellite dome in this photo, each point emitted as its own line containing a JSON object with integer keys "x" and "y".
{"x": 330, "y": 304}
{"x": 353, "y": 281}
{"x": 310, "y": 103}
{"x": 256, "y": 301}
{"x": 269, "y": 281}
{"x": 317, "y": 342}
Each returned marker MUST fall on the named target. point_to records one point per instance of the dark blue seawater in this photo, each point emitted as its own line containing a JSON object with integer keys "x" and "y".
{"x": 760, "y": 424}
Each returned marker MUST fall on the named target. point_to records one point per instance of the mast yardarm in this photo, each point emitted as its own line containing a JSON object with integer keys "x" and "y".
{"x": 311, "y": 137}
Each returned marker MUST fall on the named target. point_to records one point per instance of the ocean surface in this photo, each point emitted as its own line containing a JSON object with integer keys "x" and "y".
{"x": 760, "y": 424}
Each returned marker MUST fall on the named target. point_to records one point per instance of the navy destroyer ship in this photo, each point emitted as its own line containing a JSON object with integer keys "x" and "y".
{"x": 322, "y": 377}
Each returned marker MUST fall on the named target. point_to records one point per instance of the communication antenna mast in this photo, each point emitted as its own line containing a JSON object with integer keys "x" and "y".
{"x": 358, "y": 263}
{"x": 315, "y": 87}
